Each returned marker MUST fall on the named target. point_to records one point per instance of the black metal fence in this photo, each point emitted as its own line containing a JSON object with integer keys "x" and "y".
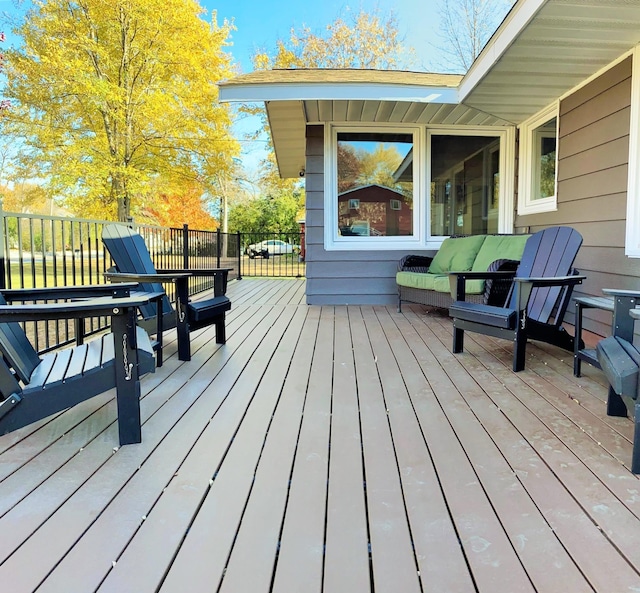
{"x": 273, "y": 254}
{"x": 41, "y": 251}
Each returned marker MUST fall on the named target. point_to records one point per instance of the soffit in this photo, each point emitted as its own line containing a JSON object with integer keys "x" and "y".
{"x": 295, "y": 98}
{"x": 288, "y": 121}
{"x": 533, "y": 59}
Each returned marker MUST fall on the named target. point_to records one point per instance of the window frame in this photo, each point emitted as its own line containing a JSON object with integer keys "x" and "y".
{"x": 632, "y": 238}
{"x": 332, "y": 240}
{"x": 506, "y": 146}
{"x": 529, "y": 165}
{"x": 421, "y": 239}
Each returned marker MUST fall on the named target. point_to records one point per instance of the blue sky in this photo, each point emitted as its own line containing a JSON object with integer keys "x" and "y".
{"x": 260, "y": 24}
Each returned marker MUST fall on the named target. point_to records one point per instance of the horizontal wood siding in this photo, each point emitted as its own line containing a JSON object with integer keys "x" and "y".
{"x": 593, "y": 164}
{"x": 340, "y": 277}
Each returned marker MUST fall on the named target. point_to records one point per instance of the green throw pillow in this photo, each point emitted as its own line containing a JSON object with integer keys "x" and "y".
{"x": 499, "y": 247}
{"x": 456, "y": 254}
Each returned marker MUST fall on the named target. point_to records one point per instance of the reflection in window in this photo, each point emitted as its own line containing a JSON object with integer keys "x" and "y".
{"x": 545, "y": 160}
{"x": 375, "y": 171}
{"x": 465, "y": 185}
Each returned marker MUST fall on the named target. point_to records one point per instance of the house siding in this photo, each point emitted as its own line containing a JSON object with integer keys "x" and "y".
{"x": 340, "y": 277}
{"x": 593, "y": 163}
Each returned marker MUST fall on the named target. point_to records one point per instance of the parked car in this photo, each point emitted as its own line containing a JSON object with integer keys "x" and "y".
{"x": 271, "y": 247}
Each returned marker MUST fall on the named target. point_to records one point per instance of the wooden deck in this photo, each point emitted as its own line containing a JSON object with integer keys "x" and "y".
{"x": 333, "y": 449}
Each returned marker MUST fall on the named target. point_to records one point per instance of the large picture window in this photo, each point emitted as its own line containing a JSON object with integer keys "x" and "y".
{"x": 374, "y": 172}
{"x": 410, "y": 187}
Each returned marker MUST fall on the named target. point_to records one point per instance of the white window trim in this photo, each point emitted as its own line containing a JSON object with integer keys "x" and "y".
{"x": 632, "y": 239}
{"x": 506, "y": 137}
{"x": 335, "y": 242}
{"x": 421, "y": 211}
{"x": 528, "y": 168}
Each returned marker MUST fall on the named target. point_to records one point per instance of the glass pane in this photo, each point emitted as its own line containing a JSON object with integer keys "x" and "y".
{"x": 375, "y": 184}
{"x": 545, "y": 169}
{"x": 465, "y": 189}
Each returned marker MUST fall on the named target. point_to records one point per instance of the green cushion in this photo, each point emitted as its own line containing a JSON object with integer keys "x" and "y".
{"x": 499, "y": 247}
{"x": 456, "y": 254}
{"x": 441, "y": 284}
{"x": 417, "y": 280}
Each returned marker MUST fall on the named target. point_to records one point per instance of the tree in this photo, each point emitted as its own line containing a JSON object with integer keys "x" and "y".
{"x": 187, "y": 207}
{"x": 4, "y": 103}
{"x": 465, "y": 28}
{"x": 110, "y": 97}
{"x": 277, "y": 214}
{"x": 353, "y": 40}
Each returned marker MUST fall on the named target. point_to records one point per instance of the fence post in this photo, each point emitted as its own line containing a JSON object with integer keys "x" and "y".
{"x": 185, "y": 246}
{"x": 239, "y": 257}
{"x": 3, "y": 254}
{"x": 218, "y": 244}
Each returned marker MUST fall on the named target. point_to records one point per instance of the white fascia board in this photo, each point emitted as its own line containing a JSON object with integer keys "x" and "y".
{"x": 515, "y": 22}
{"x": 253, "y": 93}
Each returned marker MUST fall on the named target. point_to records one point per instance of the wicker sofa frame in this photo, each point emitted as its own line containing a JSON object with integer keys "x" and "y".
{"x": 495, "y": 291}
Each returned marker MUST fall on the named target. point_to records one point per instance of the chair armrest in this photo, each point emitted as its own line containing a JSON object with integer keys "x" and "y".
{"x": 130, "y": 277}
{"x": 195, "y": 271}
{"x": 220, "y": 276}
{"x": 524, "y": 286}
{"x": 68, "y": 292}
{"x": 94, "y": 307}
{"x": 616, "y": 292}
{"x": 551, "y": 281}
{"x": 634, "y": 313}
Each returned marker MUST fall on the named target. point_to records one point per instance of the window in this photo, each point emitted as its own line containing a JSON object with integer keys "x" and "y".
{"x": 537, "y": 188}
{"x": 465, "y": 189}
{"x": 410, "y": 187}
{"x": 375, "y": 184}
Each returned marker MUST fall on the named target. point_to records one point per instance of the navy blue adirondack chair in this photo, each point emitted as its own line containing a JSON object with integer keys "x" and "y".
{"x": 133, "y": 264}
{"x": 539, "y": 296}
{"x": 33, "y": 387}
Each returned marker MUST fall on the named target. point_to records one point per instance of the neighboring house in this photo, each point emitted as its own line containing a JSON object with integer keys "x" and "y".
{"x": 544, "y": 129}
{"x": 374, "y": 211}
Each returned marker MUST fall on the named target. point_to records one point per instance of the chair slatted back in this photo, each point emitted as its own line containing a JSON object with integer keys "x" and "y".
{"x": 17, "y": 349}
{"x": 547, "y": 253}
{"x": 131, "y": 256}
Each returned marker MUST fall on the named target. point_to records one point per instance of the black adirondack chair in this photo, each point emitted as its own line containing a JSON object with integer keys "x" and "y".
{"x": 133, "y": 264}
{"x": 535, "y": 307}
{"x": 34, "y": 387}
{"x": 619, "y": 359}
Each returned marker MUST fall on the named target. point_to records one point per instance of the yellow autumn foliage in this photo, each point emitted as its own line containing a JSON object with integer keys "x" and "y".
{"x": 113, "y": 97}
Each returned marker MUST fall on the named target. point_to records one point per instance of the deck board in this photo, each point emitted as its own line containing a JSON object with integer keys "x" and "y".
{"x": 329, "y": 449}
{"x": 394, "y": 565}
{"x": 440, "y": 558}
{"x": 347, "y": 552}
{"x": 299, "y": 564}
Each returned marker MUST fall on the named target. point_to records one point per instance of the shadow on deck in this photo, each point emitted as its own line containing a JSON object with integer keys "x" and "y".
{"x": 337, "y": 449}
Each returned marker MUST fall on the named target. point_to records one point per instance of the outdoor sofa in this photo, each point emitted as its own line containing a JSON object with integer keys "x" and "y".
{"x": 425, "y": 280}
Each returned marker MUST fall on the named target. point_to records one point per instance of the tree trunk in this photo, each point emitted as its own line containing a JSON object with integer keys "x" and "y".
{"x": 120, "y": 193}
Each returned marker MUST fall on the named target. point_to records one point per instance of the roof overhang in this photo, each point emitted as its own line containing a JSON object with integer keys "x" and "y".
{"x": 545, "y": 48}
{"x": 542, "y": 50}
{"x": 296, "y": 98}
